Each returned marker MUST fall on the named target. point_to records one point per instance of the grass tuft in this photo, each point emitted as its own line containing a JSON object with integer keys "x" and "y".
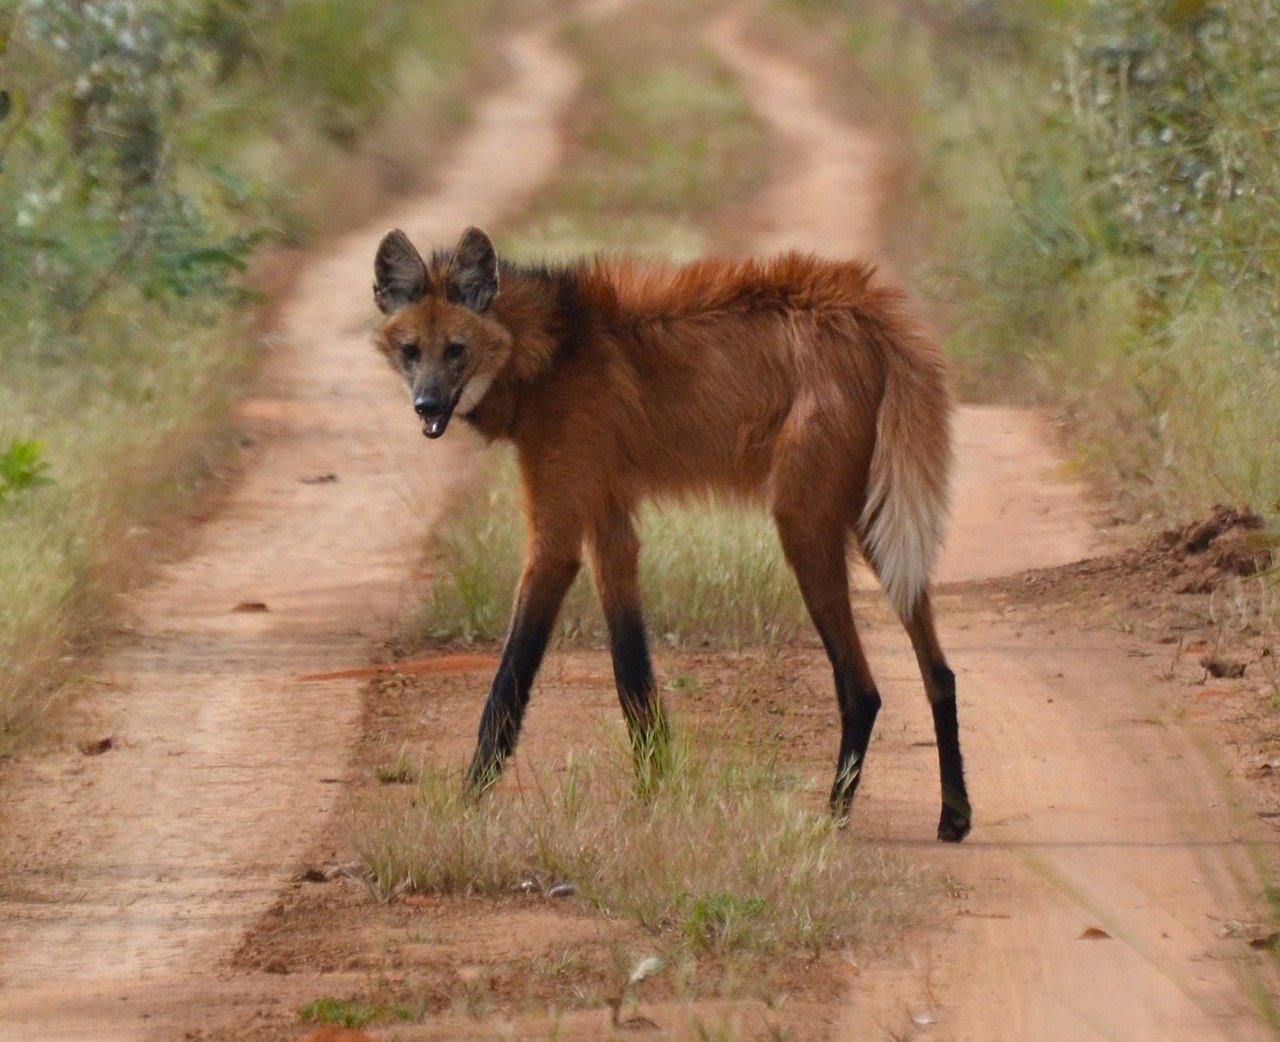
{"x": 721, "y": 859}
{"x": 350, "y": 1014}
{"x": 401, "y": 770}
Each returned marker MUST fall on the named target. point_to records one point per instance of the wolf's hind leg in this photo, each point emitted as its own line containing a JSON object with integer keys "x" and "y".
{"x": 940, "y": 685}
{"x": 816, "y": 554}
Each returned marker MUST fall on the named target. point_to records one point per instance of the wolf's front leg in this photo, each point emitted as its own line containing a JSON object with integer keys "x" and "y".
{"x": 547, "y": 577}
{"x": 615, "y": 550}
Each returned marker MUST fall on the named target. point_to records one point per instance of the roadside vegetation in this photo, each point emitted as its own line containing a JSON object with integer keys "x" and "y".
{"x": 725, "y": 863}
{"x": 665, "y": 146}
{"x": 1101, "y": 187}
{"x": 148, "y": 148}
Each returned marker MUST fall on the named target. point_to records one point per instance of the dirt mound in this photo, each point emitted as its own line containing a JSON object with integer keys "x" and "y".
{"x": 1224, "y": 543}
{"x": 1195, "y": 559}
{"x": 1190, "y": 586}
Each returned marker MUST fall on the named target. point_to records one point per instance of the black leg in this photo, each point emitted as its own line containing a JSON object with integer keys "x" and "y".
{"x": 633, "y": 674}
{"x": 858, "y": 709}
{"x": 823, "y": 575}
{"x": 615, "y": 552}
{"x": 542, "y": 589}
{"x": 956, "y": 816}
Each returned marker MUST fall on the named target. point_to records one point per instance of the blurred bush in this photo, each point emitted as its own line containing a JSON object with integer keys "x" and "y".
{"x": 1103, "y": 183}
{"x": 146, "y": 148}
{"x": 129, "y": 125}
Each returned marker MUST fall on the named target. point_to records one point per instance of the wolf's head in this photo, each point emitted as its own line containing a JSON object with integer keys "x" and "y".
{"x": 439, "y": 333}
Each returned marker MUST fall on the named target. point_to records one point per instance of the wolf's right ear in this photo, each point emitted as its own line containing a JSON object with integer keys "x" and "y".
{"x": 400, "y": 276}
{"x": 472, "y": 278}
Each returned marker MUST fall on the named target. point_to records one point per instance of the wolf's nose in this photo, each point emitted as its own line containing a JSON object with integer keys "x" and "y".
{"x": 428, "y": 403}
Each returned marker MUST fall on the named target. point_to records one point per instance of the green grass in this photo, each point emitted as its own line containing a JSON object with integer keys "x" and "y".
{"x": 125, "y": 435}
{"x": 351, "y": 1014}
{"x": 727, "y": 857}
{"x": 399, "y": 770}
{"x": 710, "y": 576}
{"x": 145, "y": 153}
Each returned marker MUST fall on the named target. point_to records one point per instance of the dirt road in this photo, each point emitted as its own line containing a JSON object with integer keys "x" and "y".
{"x": 1095, "y": 808}
{"x": 139, "y": 869}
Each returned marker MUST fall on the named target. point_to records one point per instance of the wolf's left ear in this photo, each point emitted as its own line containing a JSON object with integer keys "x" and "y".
{"x": 399, "y": 275}
{"x": 472, "y": 280}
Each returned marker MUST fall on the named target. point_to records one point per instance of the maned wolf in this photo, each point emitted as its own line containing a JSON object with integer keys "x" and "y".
{"x": 794, "y": 381}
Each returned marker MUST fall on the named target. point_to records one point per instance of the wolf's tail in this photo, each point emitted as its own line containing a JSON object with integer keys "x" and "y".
{"x": 904, "y": 518}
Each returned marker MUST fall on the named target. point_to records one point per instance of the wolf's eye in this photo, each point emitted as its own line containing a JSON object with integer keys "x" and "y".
{"x": 409, "y": 353}
{"x": 454, "y": 351}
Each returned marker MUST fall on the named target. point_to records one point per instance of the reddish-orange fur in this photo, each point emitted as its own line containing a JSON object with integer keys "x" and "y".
{"x": 754, "y": 378}
{"x": 794, "y": 381}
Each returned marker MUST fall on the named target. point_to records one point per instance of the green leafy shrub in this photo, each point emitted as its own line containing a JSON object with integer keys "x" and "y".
{"x": 147, "y": 148}
{"x": 22, "y": 468}
{"x": 102, "y": 187}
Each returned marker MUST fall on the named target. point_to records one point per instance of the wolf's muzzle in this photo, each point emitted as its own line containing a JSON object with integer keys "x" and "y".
{"x": 434, "y": 410}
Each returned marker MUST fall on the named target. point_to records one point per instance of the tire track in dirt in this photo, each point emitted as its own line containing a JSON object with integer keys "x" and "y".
{"x": 131, "y": 876}
{"x": 1094, "y": 805}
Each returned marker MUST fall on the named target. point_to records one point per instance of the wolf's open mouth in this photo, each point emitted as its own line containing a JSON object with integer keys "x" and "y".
{"x": 433, "y": 426}
{"x": 434, "y": 423}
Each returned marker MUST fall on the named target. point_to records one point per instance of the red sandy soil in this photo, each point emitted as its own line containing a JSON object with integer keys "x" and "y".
{"x": 1117, "y": 871}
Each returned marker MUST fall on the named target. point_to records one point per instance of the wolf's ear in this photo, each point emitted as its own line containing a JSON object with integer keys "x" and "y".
{"x": 472, "y": 280}
{"x": 400, "y": 277}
